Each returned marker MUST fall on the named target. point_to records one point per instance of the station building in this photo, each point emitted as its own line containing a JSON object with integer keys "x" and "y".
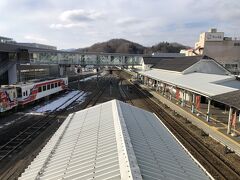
{"x": 225, "y": 50}
{"x": 15, "y": 62}
{"x": 37, "y": 45}
{"x": 114, "y": 141}
{"x": 198, "y": 83}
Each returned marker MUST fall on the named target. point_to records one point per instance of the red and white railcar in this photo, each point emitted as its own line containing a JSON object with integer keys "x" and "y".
{"x": 32, "y": 91}
{"x": 8, "y": 98}
{"x": 24, "y": 93}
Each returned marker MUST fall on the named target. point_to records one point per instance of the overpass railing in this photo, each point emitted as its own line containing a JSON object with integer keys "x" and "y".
{"x": 85, "y": 59}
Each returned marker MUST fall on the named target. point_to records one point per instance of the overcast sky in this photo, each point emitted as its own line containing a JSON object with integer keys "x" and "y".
{"x": 80, "y": 23}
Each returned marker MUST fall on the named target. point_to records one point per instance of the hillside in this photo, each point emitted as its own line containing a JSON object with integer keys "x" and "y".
{"x": 165, "y": 47}
{"x": 128, "y": 47}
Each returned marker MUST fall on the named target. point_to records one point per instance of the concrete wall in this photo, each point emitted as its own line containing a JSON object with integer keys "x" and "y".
{"x": 12, "y": 74}
{"x": 4, "y": 78}
{"x": 223, "y": 51}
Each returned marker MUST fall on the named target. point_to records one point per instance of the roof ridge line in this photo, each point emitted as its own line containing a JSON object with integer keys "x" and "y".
{"x": 129, "y": 168}
{"x": 49, "y": 156}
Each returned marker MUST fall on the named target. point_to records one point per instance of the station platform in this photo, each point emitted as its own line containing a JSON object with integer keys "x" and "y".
{"x": 216, "y": 129}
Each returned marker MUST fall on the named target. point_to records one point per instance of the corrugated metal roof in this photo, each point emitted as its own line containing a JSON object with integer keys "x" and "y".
{"x": 113, "y": 140}
{"x": 232, "y": 99}
{"x": 203, "y": 83}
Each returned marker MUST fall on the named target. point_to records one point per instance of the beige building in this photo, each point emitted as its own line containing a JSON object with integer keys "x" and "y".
{"x": 225, "y": 50}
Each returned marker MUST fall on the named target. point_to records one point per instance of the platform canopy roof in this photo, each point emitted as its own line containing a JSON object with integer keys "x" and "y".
{"x": 231, "y": 99}
{"x": 173, "y": 64}
{"x": 113, "y": 140}
{"x": 202, "y": 83}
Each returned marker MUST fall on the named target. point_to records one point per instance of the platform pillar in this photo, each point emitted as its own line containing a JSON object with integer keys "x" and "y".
{"x": 157, "y": 86}
{"x": 61, "y": 71}
{"x": 164, "y": 88}
{"x": 239, "y": 116}
{"x": 183, "y": 99}
{"x": 229, "y": 121}
{"x": 12, "y": 74}
{"x": 208, "y": 109}
{"x": 193, "y": 103}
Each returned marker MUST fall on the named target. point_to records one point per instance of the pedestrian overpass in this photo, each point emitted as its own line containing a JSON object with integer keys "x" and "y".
{"x": 63, "y": 58}
{"x": 16, "y": 56}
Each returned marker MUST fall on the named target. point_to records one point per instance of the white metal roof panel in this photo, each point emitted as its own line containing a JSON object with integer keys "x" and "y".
{"x": 158, "y": 154}
{"x": 207, "y": 84}
{"x": 113, "y": 140}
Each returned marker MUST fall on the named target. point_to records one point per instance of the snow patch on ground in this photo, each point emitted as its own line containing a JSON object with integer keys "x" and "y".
{"x": 62, "y": 102}
{"x": 86, "y": 79}
{"x": 89, "y": 78}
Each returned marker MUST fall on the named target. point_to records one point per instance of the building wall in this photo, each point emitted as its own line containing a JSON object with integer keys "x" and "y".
{"x": 12, "y": 74}
{"x": 28, "y": 72}
{"x": 225, "y": 50}
{"x": 4, "y": 78}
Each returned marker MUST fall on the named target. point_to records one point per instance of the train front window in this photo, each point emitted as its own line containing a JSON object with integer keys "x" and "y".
{"x": 40, "y": 89}
{"x": 19, "y": 92}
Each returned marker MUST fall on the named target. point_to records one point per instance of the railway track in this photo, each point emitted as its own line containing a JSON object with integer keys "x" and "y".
{"x": 38, "y": 132}
{"x": 212, "y": 162}
{"x": 93, "y": 101}
{"x": 99, "y": 89}
{"x": 26, "y": 136}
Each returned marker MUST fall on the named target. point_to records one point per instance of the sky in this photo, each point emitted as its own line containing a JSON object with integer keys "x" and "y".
{"x": 81, "y": 23}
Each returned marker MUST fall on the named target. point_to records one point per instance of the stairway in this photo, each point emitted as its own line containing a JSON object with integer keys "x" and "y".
{"x": 5, "y": 65}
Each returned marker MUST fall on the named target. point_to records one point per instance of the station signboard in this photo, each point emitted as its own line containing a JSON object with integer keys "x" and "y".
{"x": 218, "y": 36}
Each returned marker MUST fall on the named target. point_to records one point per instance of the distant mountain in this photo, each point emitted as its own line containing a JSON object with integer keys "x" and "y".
{"x": 128, "y": 47}
{"x": 166, "y": 47}
{"x": 115, "y": 46}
